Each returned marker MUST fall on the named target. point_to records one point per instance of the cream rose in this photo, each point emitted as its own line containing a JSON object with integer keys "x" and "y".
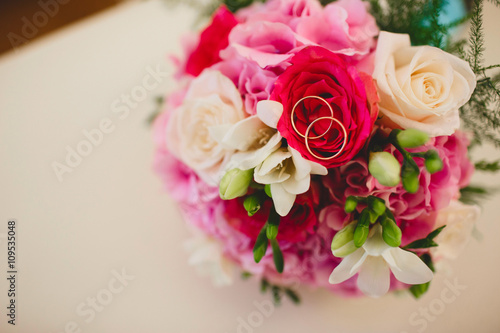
{"x": 459, "y": 220}
{"x": 211, "y": 102}
{"x": 420, "y": 87}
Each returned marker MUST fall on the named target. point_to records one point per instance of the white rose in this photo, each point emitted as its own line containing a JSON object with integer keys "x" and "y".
{"x": 459, "y": 220}
{"x": 420, "y": 87}
{"x": 211, "y": 102}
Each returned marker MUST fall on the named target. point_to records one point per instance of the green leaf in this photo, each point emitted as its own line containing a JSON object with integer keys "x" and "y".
{"x": 260, "y": 247}
{"x": 264, "y": 285}
{"x": 246, "y": 275}
{"x": 277, "y": 256}
{"x": 436, "y": 232}
{"x": 292, "y": 295}
{"x": 426, "y": 242}
{"x": 474, "y": 195}
{"x": 488, "y": 166}
{"x": 273, "y": 222}
{"x": 276, "y": 291}
{"x": 418, "y": 290}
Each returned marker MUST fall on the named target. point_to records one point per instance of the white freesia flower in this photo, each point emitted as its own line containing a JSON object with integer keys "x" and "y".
{"x": 253, "y": 138}
{"x": 258, "y": 145}
{"x": 289, "y": 174}
{"x": 420, "y": 87}
{"x": 211, "y": 101}
{"x": 206, "y": 256}
{"x": 459, "y": 219}
{"x": 374, "y": 262}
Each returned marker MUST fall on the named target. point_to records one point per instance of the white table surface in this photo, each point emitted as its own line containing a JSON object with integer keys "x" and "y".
{"x": 111, "y": 212}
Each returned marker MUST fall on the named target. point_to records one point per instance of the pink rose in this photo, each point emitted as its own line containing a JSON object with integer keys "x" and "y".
{"x": 254, "y": 83}
{"x": 315, "y": 71}
{"x": 267, "y": 43}
{"x": 289, "y": 12}
{"x": 343, "y": 27}
{"x": 212, "y": 40}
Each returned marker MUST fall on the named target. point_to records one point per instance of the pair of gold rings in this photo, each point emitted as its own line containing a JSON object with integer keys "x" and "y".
{"x": 309, "y": 128}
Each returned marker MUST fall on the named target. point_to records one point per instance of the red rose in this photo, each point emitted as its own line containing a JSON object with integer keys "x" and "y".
{"x": 317, "y": 72}
{"x": 212, "y": 40}
{"x": 293, "y": 228}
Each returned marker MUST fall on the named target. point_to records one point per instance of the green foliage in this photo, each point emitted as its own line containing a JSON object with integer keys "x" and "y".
{"x": 159, "y": 104}
{"x": 481, "y": 114}
{"x": 488, "y": 166}
{"x": 475, "y": 195}
{"x": 278, "y": 292}
{"x": 426, "y": 242}
{"x": 418, "y": 18}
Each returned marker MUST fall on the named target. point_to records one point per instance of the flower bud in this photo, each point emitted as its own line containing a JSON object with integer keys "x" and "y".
{"x": 252, "y": 204}
{"x": 350, "y": 204}
{"x": 433, "y": 162}
{"x": 410, "y": 176}
{"x": 377, "y": 205}
{"x": 391, "y": 232}
{"x": 411, "y": 138}
{"x": 235, "y": 183}
{"x": 385, "y": 168}
{"x": 342, "y": 242}
{"x": 362, "y": 229}
{"x": 271, "y": 231}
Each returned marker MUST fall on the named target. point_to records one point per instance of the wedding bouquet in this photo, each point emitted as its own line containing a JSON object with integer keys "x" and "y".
{"x": 309, "y": 145}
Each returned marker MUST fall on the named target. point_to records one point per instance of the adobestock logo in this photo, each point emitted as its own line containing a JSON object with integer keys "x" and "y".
{"x": 255, "y": 318}
{"x": 30, "y": 28}
{"x": 120, "y": 109}
{"x": 420, "y": 319}
{"x": 89, "y": 309}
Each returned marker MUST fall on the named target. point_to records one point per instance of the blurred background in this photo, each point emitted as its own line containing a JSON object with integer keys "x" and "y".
{"x": 22, "y": 21}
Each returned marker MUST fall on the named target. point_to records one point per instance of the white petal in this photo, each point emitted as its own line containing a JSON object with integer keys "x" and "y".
{"x": 269, "y": 112}
{"x": 374, "y": 277}
{"x": 297, "y": 186}
{"x": 283, "y": 200}
{"x": 408, "y": 268}
{"x": 302, "y": 166}
{"x": 272, "y": 161}
{"x": 318, "y": 169}
{"x": 375, "y": 244}
{"x": 349, "y": 266}
{"x": 250, "y": 159}
{"x": 243, "y": 134}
